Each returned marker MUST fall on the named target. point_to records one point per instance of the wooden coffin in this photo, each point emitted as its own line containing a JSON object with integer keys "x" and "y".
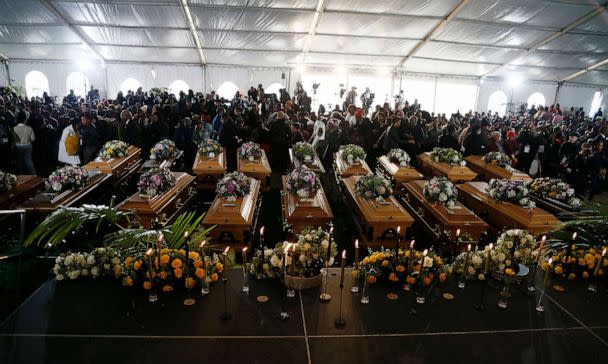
{"x": 47, "y": 201}
{"x": 258, "y": 168}
{"x": 505, "y": 215}
{"x": 162, "y": 209}
{"x": 345, "y": 170}
{"x": 209, "y": 170}
{"x": 117, "y": 166}
{"x": 27, "y": 186}
{"x": 565, "y": 212}
{"x": 305, "y": 213}
{"x": 170, "y": 163}
{"x": 487, "y": 171}
{"x": 377, "y": 221}
{"x": 314, "y": 165}
{"x": 437, "y": 218}
{"x": 397, "y": 174}
{"x": 235, "y": 220}
{"x": 455, "y": 174}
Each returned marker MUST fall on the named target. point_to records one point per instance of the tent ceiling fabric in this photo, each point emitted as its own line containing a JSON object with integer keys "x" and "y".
{"x": 479, "y": 36}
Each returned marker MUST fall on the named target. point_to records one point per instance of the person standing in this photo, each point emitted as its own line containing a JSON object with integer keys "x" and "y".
{"x": 24, "y": 137}
{"x": 132, "y": 135}
{"x": 280, "y": 137}
{"x": 69, "y": 144}
{"x": 229, "y": 141}
{"x": 91, "y": 140}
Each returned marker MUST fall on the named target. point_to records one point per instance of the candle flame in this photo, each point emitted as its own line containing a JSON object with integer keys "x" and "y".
{"x": 412, "y": 244}
{"x": 262, "y": 230}
{"x": 469, "y": 247}
{"x": 149, "y": 252}
{"x": 343, "y": 254}
{"x": 203, "y": 243}
{"x": 550, "y": 261}
{"x": 544, "y": 238}
{"x": 574, "y": 235}
{"x": 604, "y": 252}
{"x": 398, "y": 229}
{"x": 186, "y": 234}
{"x": 357, "y": 243}
{"x": 286, "y": 250}
{"x": 425, "y": 252}
{"x": 226, "y": 250}
{"x": 458, "y": 232}
{"x": 491, "y": 246}
{"x": 331, "y": 230}
{"x": 245, "y": 250}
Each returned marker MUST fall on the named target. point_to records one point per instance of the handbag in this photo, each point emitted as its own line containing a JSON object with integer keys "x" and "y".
{"x": 72, "y": 144}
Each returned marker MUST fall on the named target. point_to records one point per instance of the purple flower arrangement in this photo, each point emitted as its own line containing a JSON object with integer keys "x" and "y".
{"x": 67, "y": 178}
{"x": 251, "y": 151}
{"x": 303, "y": 182}
{"x": 156, "y": 181}
{"x": 233, "y": 185}
{"x": 165, "y": 149}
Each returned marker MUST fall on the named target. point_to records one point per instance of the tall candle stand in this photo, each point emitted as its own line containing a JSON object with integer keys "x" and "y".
{"x": 355, "y": 287}
{"x": 463, "y": 277}
{"x": 326, "y": 297}
{"x": 340, "y": 322}
{"x": 205, "y": 280}
{"x": 245, "y": 285}
{"x": 532, "y": 277}
{"x": 284, "y": 314}
{"x": 153, "y": 296}
{"x": 539, "y": 305}
{"x": 364, "y": 290}
{"x": 225, "y": 315}
{"x": 593, "y": 285}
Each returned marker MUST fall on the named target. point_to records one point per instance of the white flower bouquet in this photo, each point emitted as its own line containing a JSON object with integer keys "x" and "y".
{"x": 352, "y": 154}
{"x": 100, "y": 262}
{"x": 497, "y": 158}
{"x": 373, "y": 187}
{"x": 113, "y": 149}
{"x": 66, "y": 178}
{"x": 513, "y": 247}
{"x": 448, "y": 155}
{"x": 8, "y": 181}
{"x": 556, "y": 189}
{"x": 471, "y": 264}
{"x": 399, "y": 156}
{"x": 209, "y": 148}
{"x": 511, "y": 191}
{"x": 165, "y": 149}
{"x": 156, "y": 181}
{"x": 305, "y": 152}
{"x": 439, "y": 190}
{"x": 303, "y": 182}
{"x": 233, "y": 185}
{"x": 250, "y": 151}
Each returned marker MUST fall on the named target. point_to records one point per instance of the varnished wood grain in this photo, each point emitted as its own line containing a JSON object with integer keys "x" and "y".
{"x": 345, "y": 170}
{"x": 305, "y": 214}
{"x": 489, "y": 171}
{"x": 456, "y": 174}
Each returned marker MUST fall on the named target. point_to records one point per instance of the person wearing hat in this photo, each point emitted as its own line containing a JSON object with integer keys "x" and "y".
{"x": 280, "y": 137}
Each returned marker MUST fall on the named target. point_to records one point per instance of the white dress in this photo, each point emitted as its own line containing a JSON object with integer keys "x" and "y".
{"x": 63, "y": 154}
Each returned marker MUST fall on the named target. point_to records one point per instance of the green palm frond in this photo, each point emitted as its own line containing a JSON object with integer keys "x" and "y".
{"x": 67, "y": 220}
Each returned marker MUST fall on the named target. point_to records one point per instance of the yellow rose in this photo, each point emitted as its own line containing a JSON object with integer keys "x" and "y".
{"x": 182, "y": 252}
{"x": 589, "y": 258}
{"x": 190, "y": 283}
{"x": 219, "y": 267}
{"x": 365, "y": 261}
{"x": 380, "y": 255}
{"x": 163, "y": 275}
{"x": 128, "y": 261}
{"x": 165, "y": 251}
{"x": 176, "y": 263}
{"x": 117, "y": 271}
{"x": 147, "y": 284}
{"x": 193, "y": 255}
{"x": 178, "y": 272}
{"x": 385, "y": 263}
{"x": 581, "y": 261}
{"x": 558, "y": 269}
{"x": 197, "y": 263}
{"x": 400, "y": 268}
{"x": 214, "y": 277}
{"x": 167, "y": 288}
{"x": 393, "y": 277}
{"x": 373, "y": 259}
{"x": 200, "y": 273}
{"x": 164, "y": 259}
{"x": 371, "y": 279}
{"x": 137, "y": 264}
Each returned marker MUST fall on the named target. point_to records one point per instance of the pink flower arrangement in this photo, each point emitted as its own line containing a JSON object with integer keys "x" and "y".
{"x": 156, "y": 181}
{"x": 303, "y": 182}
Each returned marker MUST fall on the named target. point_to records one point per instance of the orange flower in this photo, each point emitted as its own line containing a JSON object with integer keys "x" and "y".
{"x": 427, "y": 281}
{"x": 117, "y": 271}
{"x": 400, "y": 268}
{"x": 164, "y": 259}
{"x": 214, "y": 277}
{"x": 182, "y": 252}
{"x": 442, "y": 277}
{"x": 198, "y": 263}
{"x": 200, "y": 273}
{"x": 190, "y": 282}
{"x": 371, "y": 279}
{"x": 600, "y": 272}
{"x": 178, "y": 272}
{"x": 167, "y": 288}
{"x": 410, "y": 280}
{"x": 163, "y": 275}
{"x": 147, "y": 284}
{"x": 193, "y": 255}
{"x": 571, "y": 276}
{"x": 385, "y": 263}
{"x": 589, "y": 258}
{"x": 509, "y": 272}
{"x": 176, "y": 263}
{"x": 219, "y": 267}
{"x": 137, "y": 264}
{"x": 417, "y": 268}
{"x": 585, "y": 274}
{"x": 393, "y": 277}
{"x": 558, "y": 269}
{"x": 128, "y": 261}
{"x": 581, "y": 261}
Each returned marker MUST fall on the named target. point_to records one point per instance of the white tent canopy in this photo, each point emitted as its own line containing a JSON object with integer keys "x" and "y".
{"x": 538, "y": 41}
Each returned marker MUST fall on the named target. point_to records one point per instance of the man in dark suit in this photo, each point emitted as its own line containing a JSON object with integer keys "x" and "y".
{"x": 296, "y": 134}
{"x": 91, "y": 140}
{"x": 280, "y": 140}
{"x": 229, "y": 140}
{"x": 132, "y": 130}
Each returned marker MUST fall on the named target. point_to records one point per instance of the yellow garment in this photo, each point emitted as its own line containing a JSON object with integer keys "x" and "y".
{"x": 71, "y": 144}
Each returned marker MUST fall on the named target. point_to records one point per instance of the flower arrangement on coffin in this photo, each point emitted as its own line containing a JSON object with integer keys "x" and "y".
{"x": 209, "y": 148}
{"x": 512, "y": 248}
{"x": 233, "y": 185}
{"x": 309, "y": 252}
{"x": 439, "y": 190}
{"x": 251, "y": 151}
{"x": 113, "y": 149}
{"x": 399, "y": 156}
{"x": 580, "y": 262}
{"x": 380, "y": 265}
{"x": 556, "y": 189}
{"x": 155, "y": 182}
{"x": 165, "y": 149}
{"x": 174, "y": 270}
{"x": 67, "y": 178}
{"x": 305, "y": 152}
{"x": 373, "y": 187}
{"x": 353, "y": 154}
{"x": 100, "y": 262}
{"x": 511, "y": 191}
{"x": 8, "y": 181}
{"x": 448, "y": 155}
{"x": 497, "y": 158}
{"x": 303, "y": 182}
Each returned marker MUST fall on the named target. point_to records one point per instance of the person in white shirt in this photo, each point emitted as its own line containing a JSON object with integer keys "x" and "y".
{"x": 24, "y": 136}
{"x": 63, "y": 155}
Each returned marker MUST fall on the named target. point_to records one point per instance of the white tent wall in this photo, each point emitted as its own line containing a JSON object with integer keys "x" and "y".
{"x": 56, "y": 73}
{"x": 153, "y": 75}
{"x": 577, "y": 96}
{"x": 3, "y": 74}
{"x": 518, "y": 94}
{"x": 244, "y": 77}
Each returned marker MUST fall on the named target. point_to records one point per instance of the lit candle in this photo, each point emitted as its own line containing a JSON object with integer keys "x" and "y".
{"x": 331, "y": 230}
{"x": 597, "y": 265}
{"x": 410, "y": 260}
{"x": 224, "y": 254}
{"x": 262, "y": 240}
{"x": 158, "y": 244}
{"x": 293, "y": 258}
{"x": 356, "y": 253}
{"x": 203, "y": 256}
{"x": 244, "y": 260}
{"x": 424, "y": 253}
{"x": 547, "y": 272}
{"x": 466, "y": 261}
{"x": 187, "y": 251}
{"x": 457, "y": 234}
{"x": 541, "y": 247}
{"x": 398, "y": 242}
{"x": 285, "y": 251}
{"x": 487, "y": 265}
{"x": 342, "y": 264}
{"x": 150, "y": 272}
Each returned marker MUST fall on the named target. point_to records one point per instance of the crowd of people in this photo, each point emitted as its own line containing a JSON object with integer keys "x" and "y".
{"x": 41, "y": 133}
